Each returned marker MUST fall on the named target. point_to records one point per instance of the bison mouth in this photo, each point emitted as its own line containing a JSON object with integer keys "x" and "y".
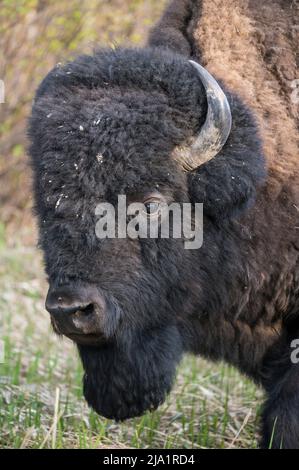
{"x": 126, "y": 378}
{"x": 79, "y": 337}
{"x": 89, "y": 339}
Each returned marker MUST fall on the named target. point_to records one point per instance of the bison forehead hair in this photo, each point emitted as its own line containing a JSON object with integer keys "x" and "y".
{"x": 130, "y": 107}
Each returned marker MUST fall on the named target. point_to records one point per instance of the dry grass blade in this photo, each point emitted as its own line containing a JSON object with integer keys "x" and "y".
{"x": 246, "y": 419}
{"x": 56, "y": 418}
{"x": 27, "y": 437}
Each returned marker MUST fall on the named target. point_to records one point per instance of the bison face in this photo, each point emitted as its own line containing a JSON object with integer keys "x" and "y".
{"x": 121, "y": 301}
{"x": 105, "y": 126}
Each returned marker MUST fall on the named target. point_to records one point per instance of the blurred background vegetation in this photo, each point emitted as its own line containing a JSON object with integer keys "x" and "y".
{"x": 34, "y": 36}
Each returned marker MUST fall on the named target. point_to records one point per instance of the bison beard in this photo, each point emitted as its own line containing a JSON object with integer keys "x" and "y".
{"x": 126, "y": 379}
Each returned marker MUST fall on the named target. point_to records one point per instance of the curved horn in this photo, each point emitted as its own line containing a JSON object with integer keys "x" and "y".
{"x": 216, "y": 129}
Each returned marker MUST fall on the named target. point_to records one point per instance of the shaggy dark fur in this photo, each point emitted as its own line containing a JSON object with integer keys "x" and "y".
{"x": 236, "y": 298}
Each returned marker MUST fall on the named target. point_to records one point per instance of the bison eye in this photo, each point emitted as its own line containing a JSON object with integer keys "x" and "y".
{"x": 153, "y": 204}
{"x": 151, "y": 207}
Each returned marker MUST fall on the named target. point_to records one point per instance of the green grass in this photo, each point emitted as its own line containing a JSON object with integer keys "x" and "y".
{"x": 41, "y": 402}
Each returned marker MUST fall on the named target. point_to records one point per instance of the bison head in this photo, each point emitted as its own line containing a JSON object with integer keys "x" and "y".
{"x": 125, "y": 122}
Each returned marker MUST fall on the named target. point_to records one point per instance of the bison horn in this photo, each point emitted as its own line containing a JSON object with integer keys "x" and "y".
{"x": 216, "y": 129}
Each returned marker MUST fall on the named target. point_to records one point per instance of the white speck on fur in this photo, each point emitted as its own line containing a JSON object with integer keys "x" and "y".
{"x": 49, "y": 115}
{"x": 81, "y": 128}
{"x": 58, "y": 201}
{"x": 76, "y": 166}
{"x": 100, "y": 158}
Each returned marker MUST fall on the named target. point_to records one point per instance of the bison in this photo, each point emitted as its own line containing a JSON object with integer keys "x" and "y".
{"x": 149, "y": 124}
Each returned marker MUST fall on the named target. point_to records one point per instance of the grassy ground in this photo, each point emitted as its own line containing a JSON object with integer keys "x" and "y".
{"x": 41, "y": 403}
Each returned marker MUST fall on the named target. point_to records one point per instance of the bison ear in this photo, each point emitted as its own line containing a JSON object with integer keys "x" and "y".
{"x": 224, "y": 192}
{"x": 224, "y": 161}
{"x": 227, "y": 184}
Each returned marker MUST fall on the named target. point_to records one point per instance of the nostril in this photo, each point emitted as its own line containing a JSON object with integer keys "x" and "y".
{"x": 85, "y": 311}
{"x": 85, "y": 319}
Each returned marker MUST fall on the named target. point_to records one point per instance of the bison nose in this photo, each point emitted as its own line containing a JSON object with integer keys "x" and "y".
{"x": 76, "y": 313}
{"x": 56, "y": 310}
